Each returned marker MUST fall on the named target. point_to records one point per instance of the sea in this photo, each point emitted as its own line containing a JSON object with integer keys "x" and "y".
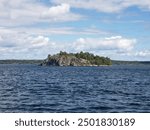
{"x": 105, "y": 89}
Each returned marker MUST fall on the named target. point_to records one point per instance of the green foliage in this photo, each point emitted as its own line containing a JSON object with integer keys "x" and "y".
{"x": 95, "y": 60}
{"x": 63, "y": 53}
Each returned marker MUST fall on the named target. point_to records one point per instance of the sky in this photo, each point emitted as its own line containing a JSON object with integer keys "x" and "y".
{"x": 32, "y": 29}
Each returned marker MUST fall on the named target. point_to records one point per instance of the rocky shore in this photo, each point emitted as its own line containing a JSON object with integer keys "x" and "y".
{"x": 78, "y": 59}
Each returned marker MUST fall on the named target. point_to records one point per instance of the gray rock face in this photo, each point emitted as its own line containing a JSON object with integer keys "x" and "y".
{"x": 76, "y": 59}
{"x": 65, "y": 60}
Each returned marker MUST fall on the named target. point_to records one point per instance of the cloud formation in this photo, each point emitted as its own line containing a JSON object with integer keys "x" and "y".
{"x": 22, "y": 12}
{"x": 38, "y": 46}
{"x": 108, "y": 6}
{"x": 27, "y": 27}
{"x": 117, "y": 43}
{"x": 57, "y": 10}
{"x": 144, "y": 53}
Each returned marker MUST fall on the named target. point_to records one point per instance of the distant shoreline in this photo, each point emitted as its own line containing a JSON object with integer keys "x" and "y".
{"x": 114, "y": 62}
{"x": 14, "y": 61}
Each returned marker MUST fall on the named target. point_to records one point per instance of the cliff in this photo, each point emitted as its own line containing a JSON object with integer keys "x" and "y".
{"x": 78, "y": 59}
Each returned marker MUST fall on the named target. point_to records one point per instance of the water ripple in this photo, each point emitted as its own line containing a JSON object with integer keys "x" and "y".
{"x": 31, "y": 88}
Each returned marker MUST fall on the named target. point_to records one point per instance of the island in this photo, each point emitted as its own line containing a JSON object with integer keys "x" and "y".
{"x": 73, "y": 59}
{"x": 76, "y": 59}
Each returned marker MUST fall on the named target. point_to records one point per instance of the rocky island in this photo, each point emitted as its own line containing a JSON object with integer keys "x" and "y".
{"x": 75, "y": 59}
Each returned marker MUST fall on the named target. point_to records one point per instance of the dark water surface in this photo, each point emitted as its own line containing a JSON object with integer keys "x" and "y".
{"x": 32, "y": 88}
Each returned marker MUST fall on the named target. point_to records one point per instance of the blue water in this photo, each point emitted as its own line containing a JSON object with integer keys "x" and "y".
{"x": 32, "y": 88}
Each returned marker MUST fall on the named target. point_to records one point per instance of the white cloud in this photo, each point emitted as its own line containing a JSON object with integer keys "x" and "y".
{"x": 17, "y": 45}
{"x": 141, "y": 55}
{"x": 21, "y": 44}
{"x": 108, "y": 6}
{"x": 59, "y": 13}
{"x": 51, "y": 31}
{"x": 57, "y": 10}
{"x": 14, "y": 43}
{"x": 20, "y": 12}
{"x": 117, "y": 43}
{"x": 144, "y": 53}
{"x": 39, "y": 41}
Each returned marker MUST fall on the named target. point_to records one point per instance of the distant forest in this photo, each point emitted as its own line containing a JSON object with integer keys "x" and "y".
{"x": 117, "y": 62}
{"x": 21, "y": 61}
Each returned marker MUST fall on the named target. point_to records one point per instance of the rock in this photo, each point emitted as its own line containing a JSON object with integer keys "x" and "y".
{"x": 64, "y": 60}
{"x": 77, "y": 59}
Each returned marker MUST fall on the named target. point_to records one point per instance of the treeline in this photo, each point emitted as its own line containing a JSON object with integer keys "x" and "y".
{"x": 21, "y": 61}
{"x": 93, "y": 59}
{"x": 117, "y": 62}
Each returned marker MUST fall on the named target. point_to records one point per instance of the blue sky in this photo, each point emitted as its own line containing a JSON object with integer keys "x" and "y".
{"x": 32, "y": 29}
